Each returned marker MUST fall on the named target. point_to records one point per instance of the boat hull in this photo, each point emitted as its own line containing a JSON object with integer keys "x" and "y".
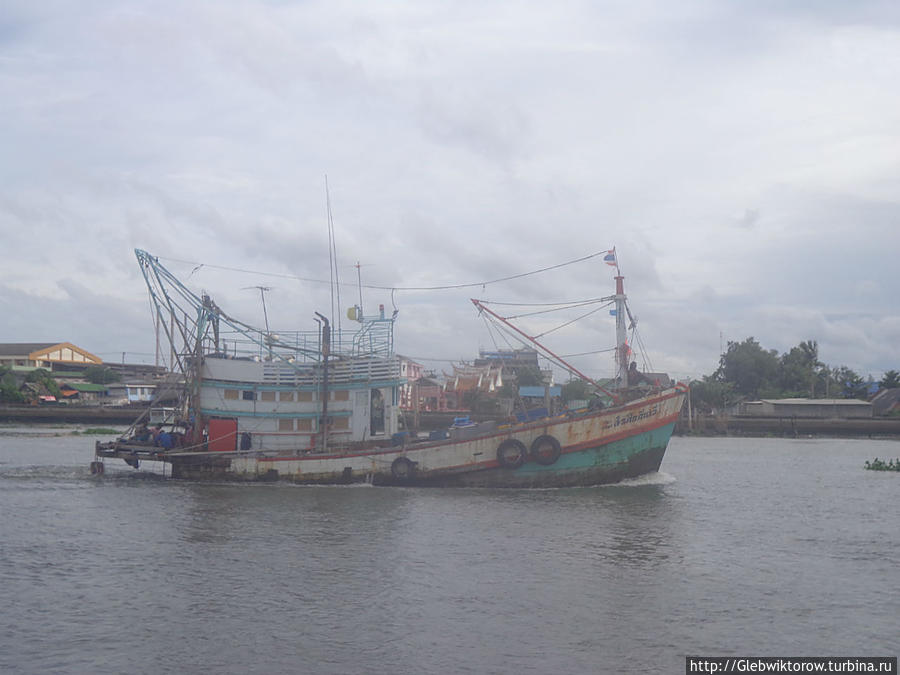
{"x": 608, "y": 463}
{"x": 590, "y": 448}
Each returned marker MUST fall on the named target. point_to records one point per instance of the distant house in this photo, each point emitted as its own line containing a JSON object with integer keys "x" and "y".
{"x": 887, "y": 402}
{"x": 49, "y": 355}
{"x": 512, "y": 361}
{"x": 140, "y": 392}
{"x": 485, "y": 379}
{"x": 819, "y": 408}
{"x": 430, "y": 393}
{"x": 412, "y": 371}
{"x": 86, "y": 392}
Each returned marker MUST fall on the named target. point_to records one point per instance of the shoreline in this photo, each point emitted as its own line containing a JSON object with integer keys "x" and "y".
{"x": 703, "y": 425}
{"x": 790, "y": 427}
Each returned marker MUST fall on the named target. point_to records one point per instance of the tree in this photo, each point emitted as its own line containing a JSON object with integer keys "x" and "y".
{"x": 529, "y": 377}
{"x": 800, "y": 369}
{"x": 849, "y": 384}
{"x": 9, "y": 387}
{"x": 575, "y": 390}
{"x": 43, "y": 378}
{"x": 710, "y": 394}
{"x": 891, "y": 380}
{"x": 748, "y": 367}
{"x": 479, "y": 402}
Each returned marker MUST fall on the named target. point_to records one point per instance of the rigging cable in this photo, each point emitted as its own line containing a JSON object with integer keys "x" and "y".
{"x": 391, "y": 288}
{"x": 559, "y": 308}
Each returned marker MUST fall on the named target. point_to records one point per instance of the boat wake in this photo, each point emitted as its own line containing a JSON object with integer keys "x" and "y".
{"x": 67, "y": 473}
{"x": 657, "y": 478}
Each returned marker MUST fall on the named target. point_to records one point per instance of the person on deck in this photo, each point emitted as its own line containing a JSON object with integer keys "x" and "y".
{"x": 635, "y": 377}
{"x": 165, "y": 440}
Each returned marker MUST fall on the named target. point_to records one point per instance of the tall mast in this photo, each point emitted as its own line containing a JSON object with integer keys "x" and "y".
{"x": 621, "y": 335}
{"x": 326, "y": 352}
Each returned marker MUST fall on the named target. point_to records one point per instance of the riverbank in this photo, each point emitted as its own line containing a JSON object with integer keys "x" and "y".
{"x": 69, "y": 414}
{"x": 790, "y": 427}
{"x": 701, "y": 425}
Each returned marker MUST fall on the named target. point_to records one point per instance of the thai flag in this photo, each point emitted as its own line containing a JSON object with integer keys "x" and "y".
{"x": 610, "y": 258}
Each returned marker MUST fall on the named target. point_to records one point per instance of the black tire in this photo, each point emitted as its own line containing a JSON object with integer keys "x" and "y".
{"x": 511, "y": 454}
{"x": 403, "y": 469}
{"x": 545, "y": 450}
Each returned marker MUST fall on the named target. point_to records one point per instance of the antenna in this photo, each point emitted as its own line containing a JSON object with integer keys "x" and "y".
{"x": 332, "y": 261}
{"x": 262, "y": 294}
{"x": 359, "y": 281}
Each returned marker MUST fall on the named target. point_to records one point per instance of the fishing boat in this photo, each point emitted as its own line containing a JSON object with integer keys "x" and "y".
{"x": 316, "y": 407}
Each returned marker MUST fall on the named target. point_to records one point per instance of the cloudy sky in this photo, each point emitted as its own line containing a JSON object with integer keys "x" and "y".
{"x": 742, "y": 157}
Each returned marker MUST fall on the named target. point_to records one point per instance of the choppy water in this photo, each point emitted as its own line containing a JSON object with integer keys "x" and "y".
{"x": 739, "y": 547}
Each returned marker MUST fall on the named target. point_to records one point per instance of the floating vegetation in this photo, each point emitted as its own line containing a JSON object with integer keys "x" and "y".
{"x": 881, "y": 465}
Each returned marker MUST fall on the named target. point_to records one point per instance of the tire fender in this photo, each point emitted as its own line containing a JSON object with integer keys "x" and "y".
{"x": 511, "y": 454}
{"x": 545, "y": 450}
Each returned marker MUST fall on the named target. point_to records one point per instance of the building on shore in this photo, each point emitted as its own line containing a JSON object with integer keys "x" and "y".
{"x": 511, "y": 361}
{"x": 52, "y": 356}
{"x": 887, "y": 402}
{"x": 819, "y": 408}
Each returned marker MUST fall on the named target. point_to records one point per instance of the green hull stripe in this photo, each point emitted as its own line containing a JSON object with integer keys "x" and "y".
{"x": 609, "y": 455}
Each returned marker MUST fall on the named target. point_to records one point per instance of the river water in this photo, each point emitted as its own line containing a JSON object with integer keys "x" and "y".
{"x": 762, "y": 547}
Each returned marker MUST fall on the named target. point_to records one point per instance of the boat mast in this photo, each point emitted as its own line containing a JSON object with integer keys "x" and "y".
{"x": 621, "y": 335}
{"x": 326, "y": 351}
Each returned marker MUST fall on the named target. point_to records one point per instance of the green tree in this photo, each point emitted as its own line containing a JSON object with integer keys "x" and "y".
{"x": 9, "y": 388}
{"x": 45, "y": 379}
{"x": 576, "y": 389}
{"x": 710, "y": 394}
{"x": 848, "y": 383}
{"x": 529, "y": 377}
{"x": 749, "y": 368}
{"x": 479, "y": 402}
{"x": 891, "y": 380}
{"x": 801, "y": 370}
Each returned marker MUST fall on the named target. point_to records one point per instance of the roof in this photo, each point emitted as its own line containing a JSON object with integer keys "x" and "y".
{"x": 538, "y": 392}
{"x": 86, "y": 387}
{"x": 23, "y": 348}
{"x": 55, "y": 353}
{"x": 885, "y": 400}
{"x": 814, "y": 401}
{"x": 48, "y": 351}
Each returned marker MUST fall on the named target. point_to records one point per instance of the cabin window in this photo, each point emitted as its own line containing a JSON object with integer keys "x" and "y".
{"x": 340, "y": 423}
{"x": 267, "y": 396}
{"x": 304, "y": 424}
{"x": 231, "y": 394}
{"x": 304, "y": 396}
{"x": 249, "y": 395}
{"x": 286, "y": 396}
{"x": 341, "y": 395}
{"x": 285, "y": 425}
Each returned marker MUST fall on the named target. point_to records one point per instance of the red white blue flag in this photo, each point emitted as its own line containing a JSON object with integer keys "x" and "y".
{"x": 610, "y": 258}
